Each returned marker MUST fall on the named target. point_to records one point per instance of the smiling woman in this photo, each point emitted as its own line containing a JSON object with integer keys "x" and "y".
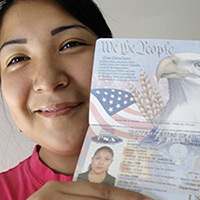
{"x": 46, "y": 55}
{"x": 50, "y": 61}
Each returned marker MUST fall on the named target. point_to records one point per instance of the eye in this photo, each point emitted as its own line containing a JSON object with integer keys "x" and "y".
{"x": 97, "y": 157}
{"x": 71, "y": 44}
{"x": 17, "y": 60}
{"x": 197, "y": 65}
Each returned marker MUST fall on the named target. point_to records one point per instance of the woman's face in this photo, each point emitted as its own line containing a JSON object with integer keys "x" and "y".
{"x": 101, "y": 161}
{"x": 46, "y": 63}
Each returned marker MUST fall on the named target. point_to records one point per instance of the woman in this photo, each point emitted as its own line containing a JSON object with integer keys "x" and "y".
{"x": 98, "y": 169}
{"x": 46, "y": 55}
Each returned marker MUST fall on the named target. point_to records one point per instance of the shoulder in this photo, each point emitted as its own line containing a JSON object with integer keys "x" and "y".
{"x": 13, "y": 179}
{"x": 110, "y": 177}
{"x": 19, "y": 181}
{"x": 19, "y": 170}
{"x": 110, "y": 180}
{"x": 21, "y": 167}
{"x": 83, "y": 176}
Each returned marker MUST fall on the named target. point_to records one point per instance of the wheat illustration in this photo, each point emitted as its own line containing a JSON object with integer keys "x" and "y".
{"x": 149, "y": 100}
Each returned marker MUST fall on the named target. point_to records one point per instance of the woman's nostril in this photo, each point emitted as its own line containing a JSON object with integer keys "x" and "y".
{"x": 61, "y": 85}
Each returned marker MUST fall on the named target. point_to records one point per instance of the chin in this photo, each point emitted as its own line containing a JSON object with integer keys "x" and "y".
{"x": 64, "y": 149}
{"x": 98, "y": 172}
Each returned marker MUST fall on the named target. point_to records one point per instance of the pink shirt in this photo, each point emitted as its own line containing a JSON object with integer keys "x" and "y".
{"x": 26, "y": 178}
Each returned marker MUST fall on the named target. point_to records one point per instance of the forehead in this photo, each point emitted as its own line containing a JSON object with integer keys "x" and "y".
{"x": 103, "y": 152}
{"x": 32, "y": 17}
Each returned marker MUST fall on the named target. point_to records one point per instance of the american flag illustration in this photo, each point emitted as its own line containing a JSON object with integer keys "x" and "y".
{"x": 113, "y": 100}
{"x": 115, "y": 108}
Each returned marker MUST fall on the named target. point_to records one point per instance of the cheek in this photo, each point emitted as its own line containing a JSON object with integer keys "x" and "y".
{"x": 94, "y": 163}
{"x": 83, "y": 79}
{"x": 107, "y": 164}
{"x": 82, "y": 71}
{"x": 15, "y": 91}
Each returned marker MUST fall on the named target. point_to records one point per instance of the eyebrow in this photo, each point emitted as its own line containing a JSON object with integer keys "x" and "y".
{"x": 10, "y": 42}
{"x": 63, "y": 28}
{"x": 53, "y": 32}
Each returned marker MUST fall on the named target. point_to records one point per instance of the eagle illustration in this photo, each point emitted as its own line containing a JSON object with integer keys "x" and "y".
{"x": 183, "y": 74}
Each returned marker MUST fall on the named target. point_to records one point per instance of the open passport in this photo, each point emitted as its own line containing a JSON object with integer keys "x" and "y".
{"x": 145, "y": 107}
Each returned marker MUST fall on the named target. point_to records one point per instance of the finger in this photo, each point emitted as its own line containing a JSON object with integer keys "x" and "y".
{"x": 101, "y": 191}
{"x": 52, "y": 196}
{"x": 54, "y": 190}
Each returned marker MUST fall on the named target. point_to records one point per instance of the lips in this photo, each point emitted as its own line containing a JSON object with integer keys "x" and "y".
{"x": 99, "y": 167}
{"x": 56, "y": 110}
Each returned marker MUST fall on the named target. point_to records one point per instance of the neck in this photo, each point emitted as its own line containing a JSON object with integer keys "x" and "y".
{"x": 97, "y": 178}
{"x": 60, "y": 164}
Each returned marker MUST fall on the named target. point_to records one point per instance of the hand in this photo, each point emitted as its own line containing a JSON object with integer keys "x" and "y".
{"x": 83, "y": 190}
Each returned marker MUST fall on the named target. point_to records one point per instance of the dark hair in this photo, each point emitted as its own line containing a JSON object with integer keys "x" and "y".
{"x": 104, "y": 148}
{"x": 86, "y": 11}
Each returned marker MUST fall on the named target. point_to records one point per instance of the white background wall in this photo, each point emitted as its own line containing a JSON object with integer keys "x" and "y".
{"x": 163, "y": 19}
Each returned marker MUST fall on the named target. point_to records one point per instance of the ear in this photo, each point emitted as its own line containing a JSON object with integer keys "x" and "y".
{"x": 19, "y": 130}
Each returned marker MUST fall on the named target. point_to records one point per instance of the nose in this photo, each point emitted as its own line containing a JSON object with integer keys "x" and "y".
{"x": 49, "y": 78}
{"x": 101, "y": 162}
